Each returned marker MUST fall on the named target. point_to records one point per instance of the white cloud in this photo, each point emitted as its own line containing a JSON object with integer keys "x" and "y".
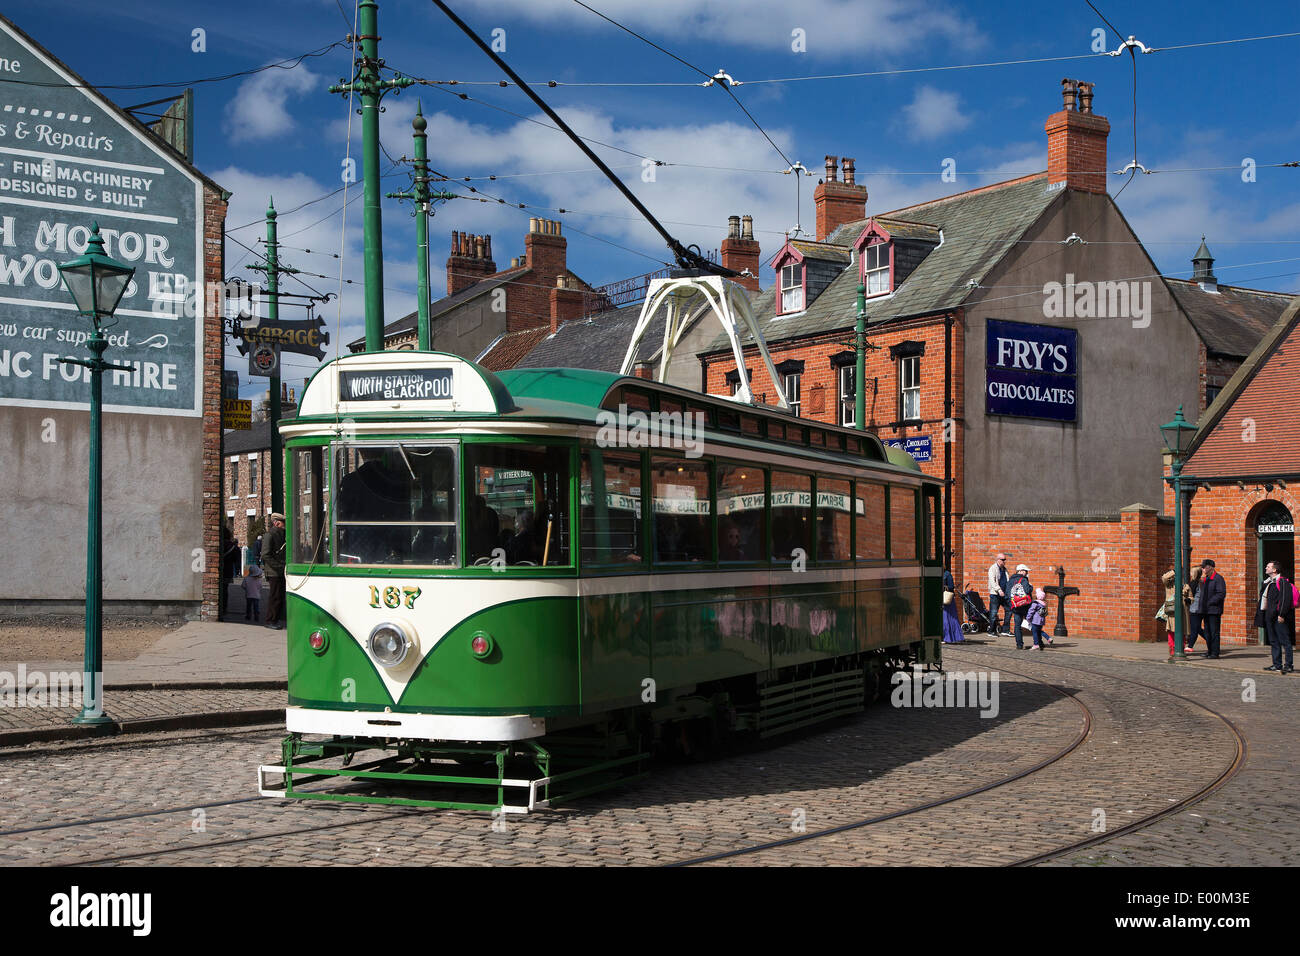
{"x": 259, "y": 109}
{"x": 831, "y": 27}
{"x": 933, "y": 113}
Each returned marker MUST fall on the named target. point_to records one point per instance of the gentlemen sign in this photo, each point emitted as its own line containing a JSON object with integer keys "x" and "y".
{"x": 407, "y": 385}
{"x": 1032, "y": 371}
{"x": 67, "y": 159}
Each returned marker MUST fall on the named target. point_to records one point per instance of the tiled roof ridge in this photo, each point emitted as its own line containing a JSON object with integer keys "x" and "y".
{"x": 894, "y": 214}
{"x": 1235, "y": 288}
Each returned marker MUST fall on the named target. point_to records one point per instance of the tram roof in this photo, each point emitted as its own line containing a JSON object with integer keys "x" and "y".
{"x": 354, "y": 386}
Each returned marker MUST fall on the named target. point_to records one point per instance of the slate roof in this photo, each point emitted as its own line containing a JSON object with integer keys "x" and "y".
{"x": 822, "y": 250}
{"x": 407, "y": 322}
{"x": 1232, "y": 322}
{"x": 988, "y": 221}
{"x": 903, "y": 229}
{"x": 598, "y": 342}
{"x": 1261, "y": 390}
{"x": 239, "y": 441}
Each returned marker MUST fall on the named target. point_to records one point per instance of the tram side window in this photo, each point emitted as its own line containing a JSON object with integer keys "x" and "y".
{"x": 396, "y": 504}
{"x": 792, "y": 515}
{"x": 902, "y": 524}
{"x": 683, "y": 510}
{"x": 742, "y": 513}
{"x": 611, "y": 508}
{"x": 833, "y": 520}
{"x": 869, "y": 516}
{"x": 933, "y": 527}
{"x": 310, "y": 541}
{"x": 518, "y": 504}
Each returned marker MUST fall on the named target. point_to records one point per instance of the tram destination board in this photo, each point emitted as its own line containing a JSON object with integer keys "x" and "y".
{"x": 408, "y": 384}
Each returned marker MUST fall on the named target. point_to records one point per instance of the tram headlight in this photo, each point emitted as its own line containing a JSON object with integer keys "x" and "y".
{"x": 390, "y": 644}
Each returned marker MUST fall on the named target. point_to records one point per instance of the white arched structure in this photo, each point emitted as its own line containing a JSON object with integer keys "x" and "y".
{"x": 686, "y": 298}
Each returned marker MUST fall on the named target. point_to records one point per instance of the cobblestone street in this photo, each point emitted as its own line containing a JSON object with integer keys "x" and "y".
{"x": 190, "y": 798}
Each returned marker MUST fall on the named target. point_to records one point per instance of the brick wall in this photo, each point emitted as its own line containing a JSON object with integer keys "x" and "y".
{"x": 1115, "y": 562}
{"x": 241, "y": 502}
{"x": 1076, "y": 150}
{"x": 214, "y": 271}
{"x": 1221, "y": 525}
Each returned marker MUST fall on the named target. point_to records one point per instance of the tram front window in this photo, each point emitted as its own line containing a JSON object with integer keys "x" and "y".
{"x": 518, "y": 505}
{"x": 396, "y": 504}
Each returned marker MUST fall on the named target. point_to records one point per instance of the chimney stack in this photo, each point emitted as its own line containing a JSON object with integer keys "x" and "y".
{"x": 740, "y": 251}
{"x": 839, "y": 202}
{"x": 1076, "y": 141}
{"x": 470, "y": 261}
{"x": 566, "y": 303}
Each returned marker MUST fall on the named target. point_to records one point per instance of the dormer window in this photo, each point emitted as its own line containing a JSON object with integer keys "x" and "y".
{"x": 792, "y": 291}
{"x": 876, "y": 268}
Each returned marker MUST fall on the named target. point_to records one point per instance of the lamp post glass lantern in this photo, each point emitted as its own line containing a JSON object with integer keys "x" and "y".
{"x": 1177, "y": 435}
{"x": 97, "y": 284}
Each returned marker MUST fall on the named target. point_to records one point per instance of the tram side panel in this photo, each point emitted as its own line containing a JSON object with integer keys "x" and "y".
{"x": 702, "y": 632}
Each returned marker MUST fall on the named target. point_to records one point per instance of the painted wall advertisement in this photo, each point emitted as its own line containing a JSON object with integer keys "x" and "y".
{"x": 1032, "y": 371}
{"x": 65, "y": 162}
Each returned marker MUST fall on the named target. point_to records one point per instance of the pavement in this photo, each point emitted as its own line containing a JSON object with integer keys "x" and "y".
{"x": 206, "y": 672}
{"x": 203, "y": 674}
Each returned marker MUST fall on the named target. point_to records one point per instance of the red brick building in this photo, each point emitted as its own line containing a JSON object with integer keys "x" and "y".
{"x": 1242, "y": 475}
{"x": 1057, "y": 465}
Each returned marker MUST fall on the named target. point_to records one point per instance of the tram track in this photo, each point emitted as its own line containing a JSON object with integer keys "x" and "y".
{"x": 1233, "y": 767}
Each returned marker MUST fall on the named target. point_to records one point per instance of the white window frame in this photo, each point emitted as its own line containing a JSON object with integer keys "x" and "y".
{"x": 254, "y": 476}
{"x": 234, "y": 477}
{"x": 909, "y": 388}
{"x": 791, "y": 281}
{"x": 791, "y": 382}
{"x": 877, "y": 278}
{"x": 848, "y": 402}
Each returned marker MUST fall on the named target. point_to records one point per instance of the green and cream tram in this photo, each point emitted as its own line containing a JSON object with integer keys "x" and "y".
{"x": 523, "y": 584}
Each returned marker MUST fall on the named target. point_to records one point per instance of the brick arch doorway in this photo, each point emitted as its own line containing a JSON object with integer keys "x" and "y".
{"x": 1274, "y": 529}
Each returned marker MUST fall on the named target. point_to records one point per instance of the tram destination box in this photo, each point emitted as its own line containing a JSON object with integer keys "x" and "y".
{"x": 409, "y": 384}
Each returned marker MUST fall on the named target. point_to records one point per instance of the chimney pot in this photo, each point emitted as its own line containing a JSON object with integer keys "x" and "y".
{"x": 478, "y": 248}
{"x": 560, "y": 282}
{"x": 733, "y": 227}
{"x": 832, "y": 174}
{"x": 487, "y": 247}
{"x": 455, "y": 242}
{"x": 747, "y": 231}
{"x": 534, "y": 224}
{"x": 514, "y": 262}
{"x": 1068, "y": 94}
{"x": 1085, "y": 97}
{"x": 849, "y": 162}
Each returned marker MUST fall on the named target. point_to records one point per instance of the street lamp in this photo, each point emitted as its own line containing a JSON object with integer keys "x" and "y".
{"x": 96, "y": 284}
{"x": 1177, "y": 436}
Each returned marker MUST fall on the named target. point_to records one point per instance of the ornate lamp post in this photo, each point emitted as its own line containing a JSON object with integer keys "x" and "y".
{"x": 1177, "y": 436}
{"x": 97, "y": 284}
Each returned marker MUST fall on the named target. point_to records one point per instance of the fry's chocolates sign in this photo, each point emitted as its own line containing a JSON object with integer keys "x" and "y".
{"x": 1032, "y": 371}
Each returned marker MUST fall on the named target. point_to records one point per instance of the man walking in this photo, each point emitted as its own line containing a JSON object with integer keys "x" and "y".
{"x": 273, "y": 564}
{"x": 1275, "y": 607}
{"x": 998, "y": 595}
{"x": 1211, "y": 594}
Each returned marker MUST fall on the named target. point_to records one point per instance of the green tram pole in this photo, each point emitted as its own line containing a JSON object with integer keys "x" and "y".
{"x": 423, "y": 198}
{"x": 366, "y": 82}
{"x": 97, "y": 284}
{"x": 1177, "y": 435}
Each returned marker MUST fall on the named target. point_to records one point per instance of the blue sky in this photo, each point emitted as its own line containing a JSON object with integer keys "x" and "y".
{"x": 280, "y": 132}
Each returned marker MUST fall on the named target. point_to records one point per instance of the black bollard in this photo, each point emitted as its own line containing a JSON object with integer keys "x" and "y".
{"x": 1061, "y": 592}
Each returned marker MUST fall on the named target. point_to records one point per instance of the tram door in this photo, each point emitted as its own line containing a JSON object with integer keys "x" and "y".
{"x": 1275, "y": 537}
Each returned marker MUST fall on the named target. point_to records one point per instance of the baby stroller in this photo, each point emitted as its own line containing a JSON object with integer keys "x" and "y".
{"x": 977, "y": 615}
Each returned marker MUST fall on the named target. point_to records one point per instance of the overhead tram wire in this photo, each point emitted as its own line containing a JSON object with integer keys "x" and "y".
{"x": 293, "y": 63}
{"x": 684, "y": 256}
{"x": 721, "y": 79}
{"x": 870, "y": 73}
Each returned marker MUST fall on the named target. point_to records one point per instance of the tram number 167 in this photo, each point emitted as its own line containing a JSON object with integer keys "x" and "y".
{"x": 392, "y": 597}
